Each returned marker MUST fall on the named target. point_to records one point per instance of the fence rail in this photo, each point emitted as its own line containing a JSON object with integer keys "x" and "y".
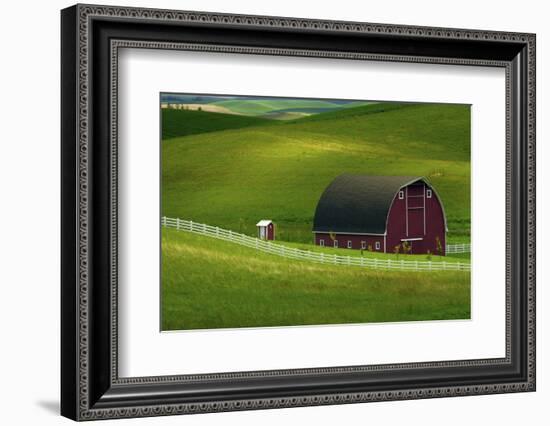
{"x": 458, "y": 248}
{"x": 299, "y": 254}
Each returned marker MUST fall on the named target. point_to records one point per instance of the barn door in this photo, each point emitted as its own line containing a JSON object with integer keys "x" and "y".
{"x": 416, "y": 211}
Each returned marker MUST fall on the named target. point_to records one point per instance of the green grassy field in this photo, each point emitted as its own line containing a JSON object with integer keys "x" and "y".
{"x": 231, "y": 170}
{"x": 264, "y": 106}
{"x": 269, "y": 169}
{"x": 209, "y": 283}
{"x": 176, "y": 123}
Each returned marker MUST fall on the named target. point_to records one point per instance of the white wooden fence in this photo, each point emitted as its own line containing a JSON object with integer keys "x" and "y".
{"x": 458, "y": 248}
{"x": 299, "y": 254}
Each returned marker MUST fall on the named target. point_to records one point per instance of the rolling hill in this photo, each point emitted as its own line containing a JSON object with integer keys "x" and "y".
{"x": 259, "y": 107}
{"x": 179, "y": 122}
{"x": 254, "y": 106}
{"x": 232, "y": 171}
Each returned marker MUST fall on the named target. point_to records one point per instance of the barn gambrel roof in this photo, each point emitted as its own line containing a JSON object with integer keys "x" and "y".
{"x": 358, "y": 203}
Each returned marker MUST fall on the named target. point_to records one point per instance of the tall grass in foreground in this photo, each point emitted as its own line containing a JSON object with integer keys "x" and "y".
{"x": 208, "y": 283}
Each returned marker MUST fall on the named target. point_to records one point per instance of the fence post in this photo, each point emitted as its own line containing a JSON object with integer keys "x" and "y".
{"x": 444, "y": 265}
{"x": 190, "y": 225}
{"x": 335, "y": 260}
{"x": 178, "y": 223}
{"x": 389, "y": 263}
{"x": 164, "y": 221}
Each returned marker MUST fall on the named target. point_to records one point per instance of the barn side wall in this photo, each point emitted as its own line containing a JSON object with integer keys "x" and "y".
{"x": 408, "y": 210}
{"x": 355, "y": 241}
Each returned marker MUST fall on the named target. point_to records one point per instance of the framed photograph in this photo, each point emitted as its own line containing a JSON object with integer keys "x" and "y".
{"x": 263, "y": 212}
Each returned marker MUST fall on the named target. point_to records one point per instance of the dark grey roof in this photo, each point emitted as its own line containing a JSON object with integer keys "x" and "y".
{"x": 358, "y": 203}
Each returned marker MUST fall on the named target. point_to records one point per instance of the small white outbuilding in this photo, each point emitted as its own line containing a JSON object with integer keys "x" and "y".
{"x": 266, "y": 229}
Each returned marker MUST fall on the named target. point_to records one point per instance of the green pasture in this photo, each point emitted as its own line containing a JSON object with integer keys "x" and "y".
{"x": 265, "y": 106}
{"x": 209, "y": 283}
{"x": 231, "y": 171}
{"x": 176, "y": 122}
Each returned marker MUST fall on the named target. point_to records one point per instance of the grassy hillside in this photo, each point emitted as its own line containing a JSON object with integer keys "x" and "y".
{"x": 356, "y": 111}
{"x": 284, "y": 115}
{"x": 177, "y": 122}
{"x": 209, "y": 283}
{"x": 277, "y": 170}
{"x": 264, "y": 106}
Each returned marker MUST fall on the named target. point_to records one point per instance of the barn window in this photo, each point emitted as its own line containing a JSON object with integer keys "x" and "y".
{"x": 322, "y": 243}
{"x": 335, "y": 243}
{"x": 377, "y": 245}
{"x": 363, "y": 245}
{"x": 401, "y": 195}
{"x": 428, "y": 193}
{"x": 349, "y": 243}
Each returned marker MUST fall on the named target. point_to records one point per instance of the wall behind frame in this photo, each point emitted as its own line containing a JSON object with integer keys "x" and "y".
{"x": 30, "y": 226}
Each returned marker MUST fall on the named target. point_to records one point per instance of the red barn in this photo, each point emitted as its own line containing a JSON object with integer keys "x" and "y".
{"x": 379, "y": 213}
{"x": 266, "y": 230}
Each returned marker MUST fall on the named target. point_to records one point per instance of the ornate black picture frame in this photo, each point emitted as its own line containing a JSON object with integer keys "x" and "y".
{"x": 91, "y": 36}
